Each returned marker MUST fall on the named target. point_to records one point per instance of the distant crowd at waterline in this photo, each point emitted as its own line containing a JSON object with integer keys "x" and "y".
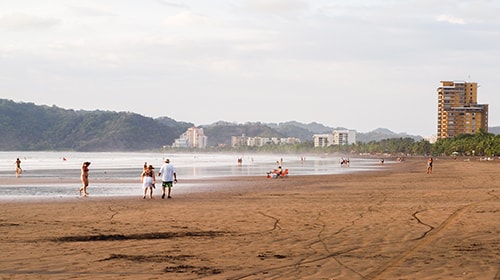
{"x": 148, "y": 177}
{"x": 112, "y": 165}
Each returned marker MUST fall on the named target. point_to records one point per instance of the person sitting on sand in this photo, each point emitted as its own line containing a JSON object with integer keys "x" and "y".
{"x": 276, "y": 172}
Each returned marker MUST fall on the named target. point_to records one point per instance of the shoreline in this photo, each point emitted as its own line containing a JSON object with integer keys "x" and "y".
{"x": 33, "y": 187}
{"x": 396, "y": 223}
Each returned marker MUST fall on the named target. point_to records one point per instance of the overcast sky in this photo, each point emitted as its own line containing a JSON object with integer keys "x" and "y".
{"x": 348, "y": 63}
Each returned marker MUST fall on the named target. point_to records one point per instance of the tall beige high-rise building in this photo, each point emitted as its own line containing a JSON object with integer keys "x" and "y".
{"x": 458, "y": 111}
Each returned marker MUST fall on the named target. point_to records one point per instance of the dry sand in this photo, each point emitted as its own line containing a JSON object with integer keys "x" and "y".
{"x": 400, "y": 223}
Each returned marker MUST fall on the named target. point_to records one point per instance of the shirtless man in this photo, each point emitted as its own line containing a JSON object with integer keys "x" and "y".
{"x": 85, "y": 178}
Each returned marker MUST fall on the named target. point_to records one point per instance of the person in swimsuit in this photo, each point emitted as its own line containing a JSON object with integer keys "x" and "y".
{"x": 85, "y": 178}
{"x": 148, "y": 181}
{"x": 18, "y": 167}
{"x": 429, "y": 165}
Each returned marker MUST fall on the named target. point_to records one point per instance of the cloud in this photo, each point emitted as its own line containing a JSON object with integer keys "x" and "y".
{"x": 90, "y": 12}
{"x": 275, "y": 6}
{"x": 173, "y": 4}
{"x": 20, "y": 21}
{"x": 185, "y": 19}
{"x": 450, "y": 19}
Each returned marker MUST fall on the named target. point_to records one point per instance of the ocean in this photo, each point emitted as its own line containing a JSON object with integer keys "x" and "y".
{"x": 109, "y": 166}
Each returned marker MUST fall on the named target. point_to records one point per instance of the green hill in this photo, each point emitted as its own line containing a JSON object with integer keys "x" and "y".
{"x": 26, "y": 126}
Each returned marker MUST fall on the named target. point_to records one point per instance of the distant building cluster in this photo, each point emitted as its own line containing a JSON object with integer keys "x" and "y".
{"x": 458, "y": 110}
{"x": 192, "y": 138}
{"x": 241, "y": 141}
{"x": 337, "y": 137}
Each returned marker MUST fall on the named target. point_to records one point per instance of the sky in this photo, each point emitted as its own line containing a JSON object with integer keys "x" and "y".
{"x": 355, "y": 64}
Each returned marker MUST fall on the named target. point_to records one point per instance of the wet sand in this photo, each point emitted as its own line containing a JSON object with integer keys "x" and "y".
{"x": 400, "y": 223}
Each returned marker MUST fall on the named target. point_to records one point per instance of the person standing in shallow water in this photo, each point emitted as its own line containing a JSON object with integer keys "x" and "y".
{"x": 18, "y": 167}
{"x": 85, "y": 178}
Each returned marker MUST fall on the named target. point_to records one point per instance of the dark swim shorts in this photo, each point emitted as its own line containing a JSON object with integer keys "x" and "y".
{"x": 168, "y": 184}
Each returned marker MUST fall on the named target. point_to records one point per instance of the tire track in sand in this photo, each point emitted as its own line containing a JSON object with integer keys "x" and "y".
{"x": 426, "y": 239}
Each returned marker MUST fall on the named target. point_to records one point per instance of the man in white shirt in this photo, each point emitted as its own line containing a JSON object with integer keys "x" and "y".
{"x": 168, "y": 178}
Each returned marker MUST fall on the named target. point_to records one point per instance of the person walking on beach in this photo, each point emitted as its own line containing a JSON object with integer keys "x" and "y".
{"x": 18, "y": 167}
{"x": 168, "y": 178}
{"x": 85, "y": 178}
{"x": 148, "y": 181}
{"x": 429, "y": 165}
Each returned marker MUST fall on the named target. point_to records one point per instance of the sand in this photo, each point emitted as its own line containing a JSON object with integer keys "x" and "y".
{"x": 400, "y": 223}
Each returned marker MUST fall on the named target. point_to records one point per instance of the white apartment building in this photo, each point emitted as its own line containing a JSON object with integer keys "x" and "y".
{"x": 258, "y": 141}
{"x": 181, "y": 142}
{"x": 192, "y": 138}
{"x": 344, "y": 137}
{"x": 239, "y": 141}
{"x": 337, "y": 137}
{"x": 322, "y": 140}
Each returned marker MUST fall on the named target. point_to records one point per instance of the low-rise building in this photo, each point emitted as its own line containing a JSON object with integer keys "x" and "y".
{"x": 239, "y": 141}
{"x": 337, "y": 137}
{"x": 322, "y": 140}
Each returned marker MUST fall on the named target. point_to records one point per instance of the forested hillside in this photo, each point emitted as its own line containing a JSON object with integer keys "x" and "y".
{"x": 26, "y": 126}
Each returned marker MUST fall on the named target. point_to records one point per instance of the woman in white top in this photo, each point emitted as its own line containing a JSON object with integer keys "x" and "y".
{"x": 148, "y": 181}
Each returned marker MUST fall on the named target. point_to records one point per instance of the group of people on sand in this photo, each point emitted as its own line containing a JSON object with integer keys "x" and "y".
{"x": 168, "y": 178}
{"x": 345, "y": 162}
{"x": 278, "y": 171}
{"x": 148, "y": 179}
